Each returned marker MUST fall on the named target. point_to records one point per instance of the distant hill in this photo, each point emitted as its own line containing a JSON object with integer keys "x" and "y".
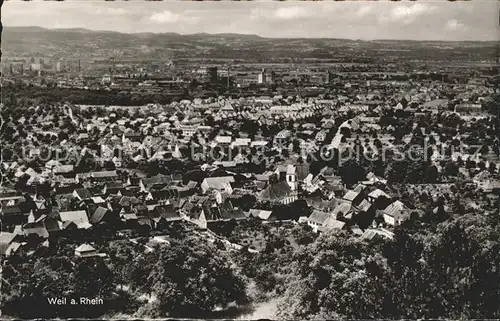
{"x": 72, "y": 43}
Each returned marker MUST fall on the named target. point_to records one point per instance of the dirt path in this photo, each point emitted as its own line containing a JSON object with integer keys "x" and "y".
{"x": 264, "y": 310}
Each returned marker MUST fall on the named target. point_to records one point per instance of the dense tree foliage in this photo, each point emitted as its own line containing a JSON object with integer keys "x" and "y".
{"x": 33, "y": 284}
{"x": 186, "y": 278}
{"x": 32, "y": 96}
{"x": 189, "y": 280}
{"x": 451, "y": 272}
{"x": 444, "y": 270}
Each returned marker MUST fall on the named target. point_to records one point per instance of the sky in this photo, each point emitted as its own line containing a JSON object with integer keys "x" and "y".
{"x": 365, "y": 20}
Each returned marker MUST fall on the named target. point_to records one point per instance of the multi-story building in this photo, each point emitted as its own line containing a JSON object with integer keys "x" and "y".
{"x": 212, "y": 76}
{"x": 262, "y": 77}
{"x": 329, "y": 77}
{"x": 188, "y": 130}
{"x": 271, "y": 77}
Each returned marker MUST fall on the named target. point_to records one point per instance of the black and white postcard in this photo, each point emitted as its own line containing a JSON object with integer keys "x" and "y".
{"x": 250, "y": 160}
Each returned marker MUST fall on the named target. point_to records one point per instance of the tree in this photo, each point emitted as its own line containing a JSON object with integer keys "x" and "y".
{"x": 338, "y": 275}
{"x": 34, "y": 290}
{"x": 186, "y": 272}
{"x": 351, "y": 172}
{"x": 451, "y": 169}
{"x": 302, "y": 234}
{"x": 297, "y": 209}
{"x": 296, "y": 146}
{"x": 246, "y": 202}
{"x": 109, "y": 166}
{"x": 92, "y": 278}
{"x": 58, "y": 277}
{"x": 328, "y": 280}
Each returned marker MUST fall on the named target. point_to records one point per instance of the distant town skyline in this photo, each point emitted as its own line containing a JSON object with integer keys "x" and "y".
{"x": 365, "y": 20}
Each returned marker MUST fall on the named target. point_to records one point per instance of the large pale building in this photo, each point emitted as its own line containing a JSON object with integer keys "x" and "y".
{"x": 106, "y": 79}
{"x": 265, "y": 77}
{"x": 261, "y": 79}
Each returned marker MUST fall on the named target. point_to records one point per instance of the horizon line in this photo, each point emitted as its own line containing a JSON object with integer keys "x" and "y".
{"x": 243, "y": 34}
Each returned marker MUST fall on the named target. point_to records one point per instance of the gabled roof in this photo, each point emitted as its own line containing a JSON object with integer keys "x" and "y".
{"x": 225, "y": 164}
{"x": 372, "y": 177}
{"x": 262, "y": 214}
{"x": 160, "y": 180}
{"x": 285, "y": 133}
{"x": 140, "y": 208}
{"x": 188, "y": 207}
{"x": 356, "y": 230}
{"x": 7, "y": 192}
{"x": 217, "y": 182}
{"x": 343, "y": 208}
{"x": 232, "y": 214}
{"x": 319, "y": 217}
{"x": 359, "y": 188}
{"x": 76, "y": 217}
{"x": 63, "y": 168}
{"x": 482, "y": 176}
{"x": 41, "y": 218}
{"x": 350, "y": 195}
{"x": 275, "y": 192}
{"x": 212, "y": 213}
{"x": 129, "y": 216}
{"x": 11, "y": 210}
{"x": 83, "y": 193}
{"x": 103, "y": 174}
{"x": 5, "y": 240}
{"x": 242, "y": 141}
{"x": 98, "y": 215}
{"x": 17, "y": 198}
{"x": 177, "y": 203}
{"x": 395, "y": 209}
{"x": 97, "y": 200}
{"x": 85, "y": 248}
{"x": 167, "y": 212}
{"x": 263, "y": 177}
{"x": 191, "y": 184}
{"x": 133, "y": 134}
{"x": 156, "y": 187}
{"x": 30, "y": 229}
{"x": 114, "y": 185}
{"x": 127, "y": 201}
{"x": 302, "y": 170}
{"x": 364, "y": 205}
{"x": 331, "y": 224}
{"x": 369, "y": 234}
{"x": 290, "y": 169}
{"x": 143, "y": 220}
{"x": 322, "y": 205}
{"x": 377, "y": 193}
{"x": 223, "y": 139}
